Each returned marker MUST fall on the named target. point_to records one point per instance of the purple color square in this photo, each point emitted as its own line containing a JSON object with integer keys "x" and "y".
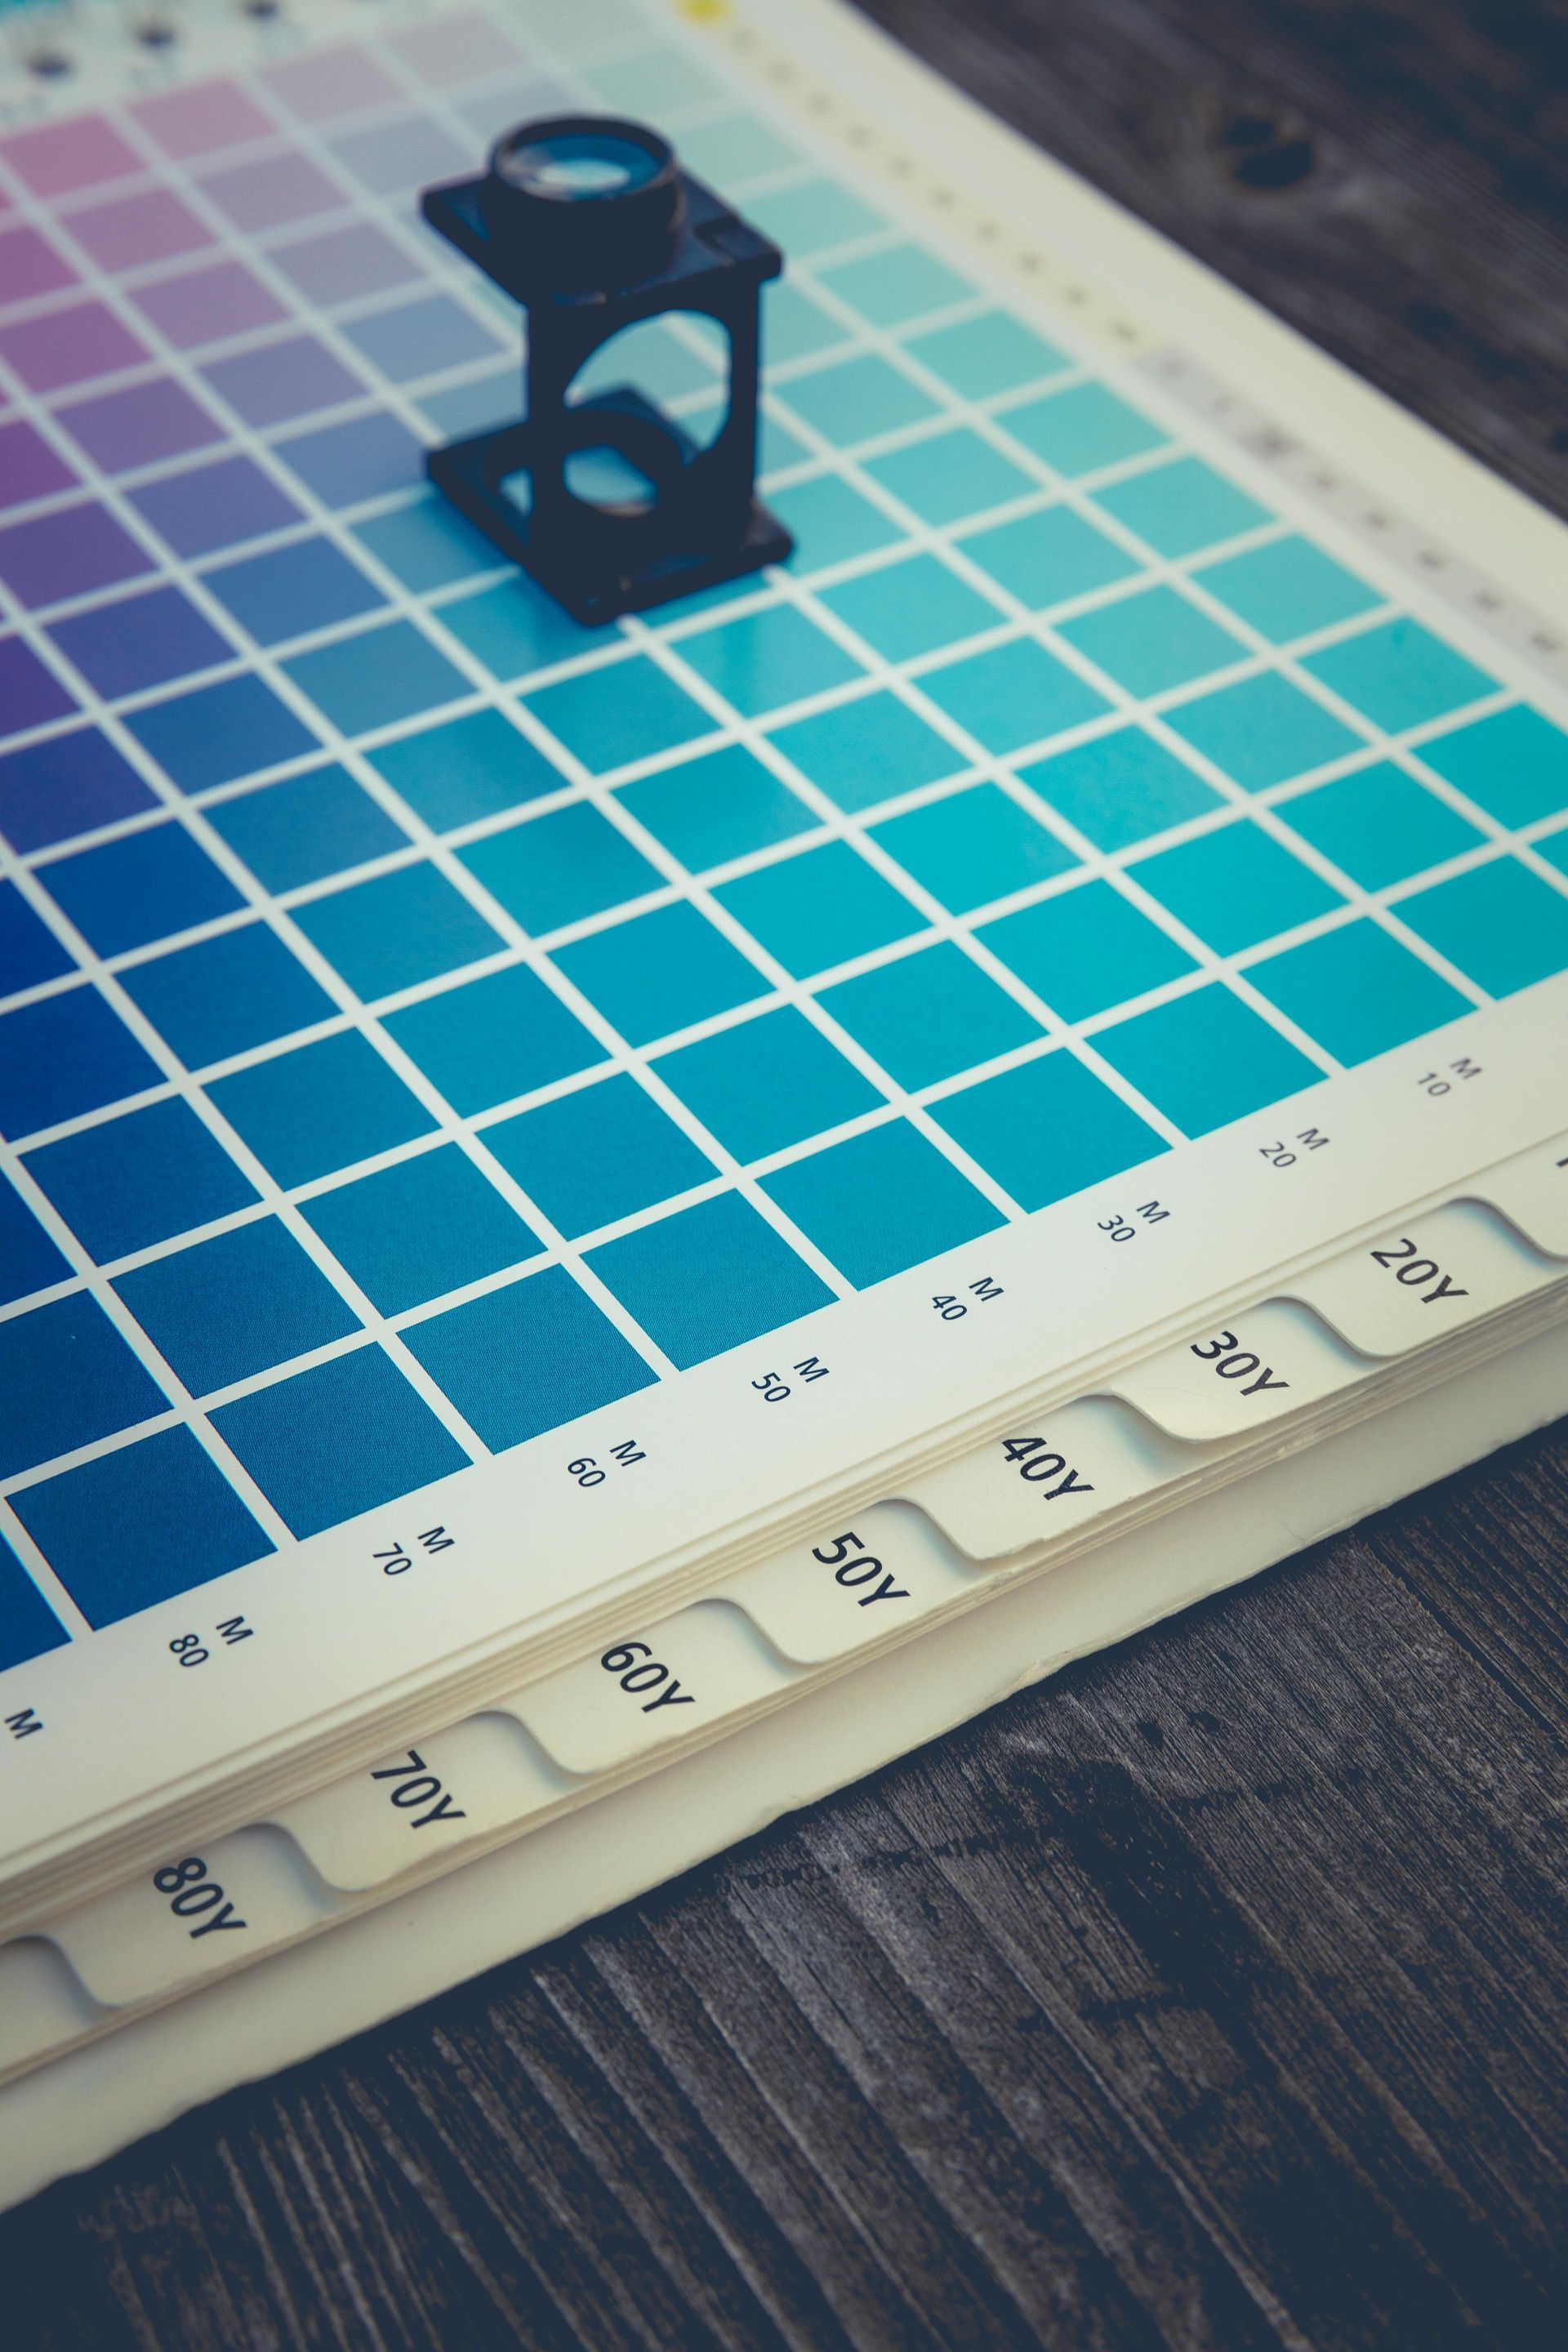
{"x": 404, "y": 154}
{"x": 273, "y": 191}
{"x": 76, "y": 153}
{"x": 28, "y": 266}
{"x": 68, "y": 346}
{"x": 362, "y": 458}
{"x": 343, "y": 264}
{"x": 28, "y": 467}
{"x": 67, "y": 553}
{"x": 151, "y": 227}
{"x": 282, "y": 380}
{"x": 65, "y": 785}
{"x": 204, "y": 305}
{"x": 415, "y": 339}
{"x": 203, "y": 117}
{"x": 29, "y": 692}
{"x": 138, "y": 426}
{"x": 214, "y": 733}
{"x": 330, "y": 82}
{"x": 209, "y": 507}
{"x": 141, "y": 641}
{"x": 456, "y": 48}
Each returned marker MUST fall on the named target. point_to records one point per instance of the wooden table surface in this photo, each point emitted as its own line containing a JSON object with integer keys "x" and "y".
{"x": 1213, "y": 1995}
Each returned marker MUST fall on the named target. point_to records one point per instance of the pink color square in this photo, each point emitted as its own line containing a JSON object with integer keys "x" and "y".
{"x": 454, "y": 49}
{"x": 345, "y": 263}
{"x": 204, "y": 305}
{"x": 203, "y": 118}
{"x": 77, "y": 154}
{"x": 134, "y": 229}
{"x": 28, "y": 467}
{"x": 68, "y": 346}
{"x": 330, "y": 82}
{"x": 138, "y": 426}
{"x": 29, "y": 265}
{"x": 272, "y": 192}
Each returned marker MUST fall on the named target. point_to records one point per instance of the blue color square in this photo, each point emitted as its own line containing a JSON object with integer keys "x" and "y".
{"x": 1206, "y": 1058}
{"x": 950, "y": 475}
{"x": 974, "y": 847}
{"x": 767, "y": 658}
{"x": 809, "y": 217}
{"x": 338, "y": 1440}
{"x": 28, "y": 1258}
{"x": 67, "y": 1377}
{"x": 723, "y": 805}
{"x": 1182, "y": 506}
{"x": 660, "y": 973}
{"x": 829, "y": 522}
{"x": 1514, "y": 765}
{"x": 465, "y": 768}
{"x": 493, "y": 1039}
{"x": 626, "y": 710}
{"x": 599, "y": 1154}
{"x": 1085, "y": 950}
{"x": 205, "y": 508}
{"x": 227, "y": 994}
{"x": 419, "y": 1228}
{"x": 305, "y": 828}
{"x": 881, "y": 1202}
{"x": 1499, "y": 923}
{"x": 216, "y": 733}
{"x": 708, "y": 1278}
{"x": 66, "y": 784}
{"x": 29, "y": 694}
{"x": 515, "y": 628}
{"x": 1288, "y": 588}
{"x": 376, "y": 678}
{"x": 557, "y": 868}
{"x": 1050, "y": 557}
{"x": 867, "y": 751}
{"x": 525, "y": 1359}
{"x": 129, "y": 1182}
{"x": 143, "y": 640}
{"x": 930, "y": 1015}
{"x": 29, "y": 951}
{"x": 1234, "y": 887}
{"x": 819, "y": 909}
{"x": 767, "y": 1082}
{"x": 427, "y": 545}
{"x": 1012, "y": 695}
{"x": 1046, "y": 1129}
{"x": 28, "y": 1626}
{"x": 320, "y": 1108}
{"x": 911, "y": 607}
{"x": 64, "y": 1055}
{"x": 235, "y": 1304}
{"x": 1080, "y": 429}
{"x": 1121, "y": 788}
{"x": 397, "y": 929}
{"x": 1263, "y": 730}
{"x": 138, "y": 1525}
{"x": 1153, "y": 640}
{"x": 854, "y": 400}
{"x": 1379, "y": 825}
{"x": 289, "y": 590}
{"x": 419, "y": 338}
{"x": 899, "y": 283}
{"x": 142, "y": 886}
{"x": 1399, "y": 674}
{"x": 982, "y": 356}
{"x": 1357, "y": 992}
{"x": 363, "y": 459}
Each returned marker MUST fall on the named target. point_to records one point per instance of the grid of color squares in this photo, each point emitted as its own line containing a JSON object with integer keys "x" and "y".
{"x": 423, "y": 1021}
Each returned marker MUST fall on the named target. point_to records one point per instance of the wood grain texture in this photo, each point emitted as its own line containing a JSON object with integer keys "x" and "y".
{"x": 1211, "y": 1996}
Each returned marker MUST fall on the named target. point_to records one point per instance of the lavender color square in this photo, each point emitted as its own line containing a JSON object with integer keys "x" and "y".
{"x": 455, "y": 48}
{"x": 28, "y": 467}
{"x": 362, "y": 458}
{"x": 67, "y": 784}
{"x": 202, "y": 306}
{"x": 403, "y": 153}
{"x": 152, "y": 227}
{"x": 273, "y": 191}
{"x": 210, "y": 507}
{"x": 29, "y": 692}
{"x": 68, "y": 346}
{"x": 64, "y": 156}
{"x": 345, "y": 263}
{"x": 67, "y": 553}
{"x": 141, "y": 641}
{"x": 29, "y": 265}
{"x": 201, "y": 117}
{"x": 330, "y": 82}
{"x": 282, "y": 380}
{"x": 422, "y": 338}
{"x": 138, "y": 426}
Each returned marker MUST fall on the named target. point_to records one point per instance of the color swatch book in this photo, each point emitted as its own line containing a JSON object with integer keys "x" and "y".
{"x": 565, "y": 1192}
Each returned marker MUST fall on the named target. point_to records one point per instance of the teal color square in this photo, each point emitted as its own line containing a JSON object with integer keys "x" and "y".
{"x": 1012, "y": 695}
{"x": 911, "y": 608}
{"x": 793, "y": 326}
{"x": 735, "y": 148}
{"x": 819, "y": 909}
{"x": 984, "y": 356}
{"x": 626, "y": 711}
{"x": 778, "y": 448}
{"x": 660, "y": 973}
{"x": 895, "y": 285}
{"x": 1206, "y": 1058}
{"x": 397, "y": 929}
{"x": 1399, "y": 674}
{"x": 465, "y": 768}
{"x": 707, "y": 1279}
{"x": 830, "y": 522}
{"x": 66, "y": 1378}
{"x": 1514, "y": 765}
{"x": 1085, "y": 950}
{"x": 1262, "y": 730}
{"x": 599, "y": 1154}
{"x": 427, "y": 545}
{"x": 1357, "y": 992}
{"x": 867, "y": 750}
{"x": 767, "y": 1082}
{"x": 1046, "y": 1129}
{"x": 853, "y": 399}
{"x": 305, "y": 828}
{"x": 528, "y": 1357}
{"x": 1082, "y": 428}
{"x": 235, "y": 1306}
{"x": 226, "y": 995}
{"x": 766, "y": 658}
{"x": 974, "y": 847}
{"x": 320, "y": 1108}
{"x": 338, "y": 1440}
{"x": 376, "y": 678}
{"x": 1379, "y": 825}
{"x": 1499, "y": 923}
{"x": 1153, "y": 640}
{"x": 515, "y": 628}
{"x": 1234, "y": 887}
{"x": 1182, "y": 506}
{"x": 878, "y": 1202}
{"x": 1553, "y": 847}
{"x": 28, "y": 1626}
{"x": 493, "y": 1039}
{"x": 419, "y": 1228}
{"x": 722, "y": 805}
{"x": 1049, "y": 557}
{"x": 811, "y": 217}
{"x": 1288, "y": 588}
{"x": 951, "y": 475}
{"x": 1121, "y": 788}
{"x": 930, "y": 1015}
{"x": 555, "y": 869}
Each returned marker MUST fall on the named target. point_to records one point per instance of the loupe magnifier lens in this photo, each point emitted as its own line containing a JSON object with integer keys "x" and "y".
{"x": 597, "y": 200}
{"x": 572, "y": 165}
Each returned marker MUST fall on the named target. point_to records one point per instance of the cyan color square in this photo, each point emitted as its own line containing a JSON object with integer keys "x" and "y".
{"x": 397, "y": 929}
{"x": 28, "y": 1258}
{"x": 767, "y": 1082}
{"x": 975, "y": 846}
{"x": 1514, "y": 765}
{"x": 419, "y": 1228}
{"x": 427, "y": 545}
{"x": 911, "y": 607}
{"x": 899, "y": 283}
{"x": 1234, "y": 887}
{"x": 235, "y": 1306}
{"x": 854, "y": 400}
{"x": 1121, "y": 788}
{"x": 1206, "y": 1058}
{"x": 1398, "y": 674}
{"x": 1379, "y": 825}
{"x": 377, "y": 676}
{"x": 131, "y": 1181}
{"x": 1046, "y": 1129}
{"x": 707, "y": 1279}
{"x": 29, "y": 951}
{"x": 793, "y": 326}
{"x": 144, "y": 887}
{"x": 465, "y": 768}
{"x": 819, "y": 909}
{"x": 1050, "y": 557}
{"x": 28, "y": 1626}
{"x": 225, "y": 995}
{"x": 1085, "y": 950}
{"x": 140, "y": 1525}
{"x": 626, "y": 710}
{"x": 1012, "y": 695}
{"x": 660, "y": 973}
{"x": 1357, "y": 990}
{"x": 767, "y": 658}
{"x": 867, "y": 751}
{"x": 1499, "y": 923}
{"x": 598, "y": 1154}
{"x": 1082, "y": 428}
{"x": 1153, "y": 640}
{"x": 320, "y": 1108}
{"x": 1182, "y": 506}
{"x": 881, "y": 1202}
{"x": 1288, "y": 588}
{"x": 64, "y": 1055}
{"x": 930, "y": 1015}
{"x": 736, "y": 147}
{"x": 287, "y": 591}
{"x": 214, "y": 734}
{"x": 982, "y": 356}
{"x": 722, "y": 805}
{"x": 1262, "y": 730}
{"x": 528, "y": 1357}
{"x": 830, "y": 522}
{"x": 555, "y": 869}
{"x": 493, "y": 1039}
{"x": 811, "y": 217}
{"x": 515, "y": 628}
{"x": 305, "y": 828}
{"x": 337, "y": 1440}
{"x": 67, "y": 1377}
{"x": 950, "y": 475}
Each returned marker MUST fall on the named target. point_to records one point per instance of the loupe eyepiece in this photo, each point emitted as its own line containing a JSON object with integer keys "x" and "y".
{"x": 594, "y": 201}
